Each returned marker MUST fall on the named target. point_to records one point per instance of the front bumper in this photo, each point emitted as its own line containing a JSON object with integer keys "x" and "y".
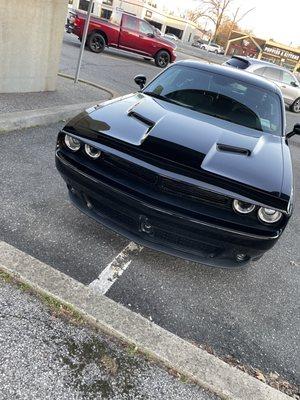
{"x": 157, "y": 227}
{"x": 173, "y": 56}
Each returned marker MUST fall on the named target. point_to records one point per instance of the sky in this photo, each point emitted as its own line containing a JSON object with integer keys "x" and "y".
{"x": 276, "y": 19}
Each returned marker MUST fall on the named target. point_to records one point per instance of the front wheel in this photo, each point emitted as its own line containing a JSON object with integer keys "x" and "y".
{"x": 96, "y": 43}
{"x": 162, "y": 59}
{"x": 295, "y": 107}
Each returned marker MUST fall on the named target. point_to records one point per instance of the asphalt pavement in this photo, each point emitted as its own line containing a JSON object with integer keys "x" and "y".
{"x": 251, "y": 314}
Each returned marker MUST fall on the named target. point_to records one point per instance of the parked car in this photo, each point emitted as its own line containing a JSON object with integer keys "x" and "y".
{"x": 125, "y": 32}
{"x": 282, "y": 77}
{"x": 196, "y": 164}
{"x": 212, "y": 47}
{"x": 170, "y": 36}
{"x": 198, "y": 43}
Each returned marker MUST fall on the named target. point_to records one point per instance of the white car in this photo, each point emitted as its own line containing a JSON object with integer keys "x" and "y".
{"x": 170, "y": 36}
{"x": 212, "y": 47}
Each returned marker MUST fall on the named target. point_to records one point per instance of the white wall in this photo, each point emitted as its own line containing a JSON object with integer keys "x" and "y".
{"x": 30, "y": 44}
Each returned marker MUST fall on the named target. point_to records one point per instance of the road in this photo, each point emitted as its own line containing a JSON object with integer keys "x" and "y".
{"x": 251, "y": 313}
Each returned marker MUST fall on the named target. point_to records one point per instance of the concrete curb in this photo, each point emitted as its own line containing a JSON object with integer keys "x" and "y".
{"x": 39, "y": 117}
{"x": 111, "y": 92}
{"x": 207, "y": 370}
{"x": 43, "y": 116}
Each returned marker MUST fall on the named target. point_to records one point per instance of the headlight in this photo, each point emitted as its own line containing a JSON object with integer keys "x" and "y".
{"x": 92, "y": 152}
{"x": 243, "y": 207}
{"x": 72, "y": 143}
{"x": 269, "y": 216}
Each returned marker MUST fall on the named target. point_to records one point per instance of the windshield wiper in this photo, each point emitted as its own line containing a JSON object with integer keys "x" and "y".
{"x": 161, "y": 97}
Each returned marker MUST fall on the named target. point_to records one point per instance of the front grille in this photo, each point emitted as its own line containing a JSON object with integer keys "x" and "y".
{"x": 187, "y": 242}
{"x": 126, "y": 167}
{"x": 187, "y": 190}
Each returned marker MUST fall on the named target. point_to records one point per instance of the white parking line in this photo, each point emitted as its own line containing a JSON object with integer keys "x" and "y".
{"x": 115, "y": 269}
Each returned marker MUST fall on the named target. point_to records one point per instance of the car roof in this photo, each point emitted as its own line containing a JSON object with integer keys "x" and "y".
{"x": 234, "y": 73}
{"x": 260, "y": 62}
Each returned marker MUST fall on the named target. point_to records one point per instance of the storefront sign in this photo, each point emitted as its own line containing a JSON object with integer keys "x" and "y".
{"x": 283, "y": 54}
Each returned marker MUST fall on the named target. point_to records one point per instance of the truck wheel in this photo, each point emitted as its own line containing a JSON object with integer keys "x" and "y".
{"x": 162, "y": 59}
{"x": 96, "y": 43}
{"x": 295, "y": 107}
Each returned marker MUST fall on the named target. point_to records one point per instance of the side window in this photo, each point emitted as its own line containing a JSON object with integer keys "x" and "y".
{"x": 288, "y": 78}
{"x": 273, "y": 73}
{"x": 260, "y": 71}
{"x": 129, "y": 22}
{"x": 145, "y": 28}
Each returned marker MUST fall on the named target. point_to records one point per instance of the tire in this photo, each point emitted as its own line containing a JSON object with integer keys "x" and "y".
{"x": 202, "y": 48}
{"x": 162, "y": 59}
{"x": 216, "y": 52}
{"x": 295, "y": 107}
{"x": 96, "y": 42}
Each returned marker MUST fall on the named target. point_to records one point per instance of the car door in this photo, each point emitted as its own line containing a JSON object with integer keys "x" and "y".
{"x": 147, "y": 43}
{"x": 289, "y": 87}
{"x": 129, "y": 33}
{"x": 273, "y": 74}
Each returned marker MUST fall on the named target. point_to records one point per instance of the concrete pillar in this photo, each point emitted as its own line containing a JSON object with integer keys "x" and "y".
{"x": 30, "y": 44}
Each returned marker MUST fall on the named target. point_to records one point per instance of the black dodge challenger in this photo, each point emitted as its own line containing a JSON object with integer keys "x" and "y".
{"x": 196, "y": 164}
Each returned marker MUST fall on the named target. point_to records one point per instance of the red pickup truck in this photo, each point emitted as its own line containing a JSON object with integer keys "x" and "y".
{"x": 126, "y": 32}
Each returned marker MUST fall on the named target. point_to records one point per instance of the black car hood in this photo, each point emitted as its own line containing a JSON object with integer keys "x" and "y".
{"x": 191, "y": 139}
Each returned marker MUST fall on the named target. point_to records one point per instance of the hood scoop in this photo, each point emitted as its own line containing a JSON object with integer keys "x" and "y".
{"x": 141, "y": 118}
{"x": 233, "y": 149}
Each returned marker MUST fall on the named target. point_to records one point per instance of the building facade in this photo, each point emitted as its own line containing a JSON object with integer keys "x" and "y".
{"x": 268, "y": 50}
{"x": 150, "y": 10}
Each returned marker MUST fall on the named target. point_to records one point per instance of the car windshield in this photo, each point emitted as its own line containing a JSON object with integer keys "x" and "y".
{"x": 219, "y": 96}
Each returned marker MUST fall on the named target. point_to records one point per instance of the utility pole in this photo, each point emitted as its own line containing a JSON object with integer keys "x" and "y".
{"x": 84, "y": 36}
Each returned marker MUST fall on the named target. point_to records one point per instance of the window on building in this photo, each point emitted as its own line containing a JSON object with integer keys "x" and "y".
{"x": 146, "y": 28}
{"x": 174, "y": 31}
{"x": 155, "y": 24}
{"x": 130, "y": 22}
{"x": 107, "y": 2}
{"x": 106, "y": 14}
{"x": 84, "y": 5}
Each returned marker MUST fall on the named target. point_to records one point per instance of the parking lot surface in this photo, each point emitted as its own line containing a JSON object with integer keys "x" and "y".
{"x": 251, "y": 313}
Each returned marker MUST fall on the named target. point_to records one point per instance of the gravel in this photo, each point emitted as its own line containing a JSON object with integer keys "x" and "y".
{"x": 46, "y": 357}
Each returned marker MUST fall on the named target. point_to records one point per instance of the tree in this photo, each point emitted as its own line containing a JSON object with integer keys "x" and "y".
{"x": 217, "y": 12}
{"x": 225, "y": 30}
{"x": 195, "y": 15}
{"x": 237, "y": 17}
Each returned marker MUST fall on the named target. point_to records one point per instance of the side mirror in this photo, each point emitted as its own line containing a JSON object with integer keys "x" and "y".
{"x": 295, "y": 131}
{"x": 140, "y": 80}
{"x": 293, "y": 83}
{"x": 151, "y": 35}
